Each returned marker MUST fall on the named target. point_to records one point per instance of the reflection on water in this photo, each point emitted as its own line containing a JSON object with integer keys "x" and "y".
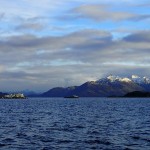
{"x": 85, "y": 123}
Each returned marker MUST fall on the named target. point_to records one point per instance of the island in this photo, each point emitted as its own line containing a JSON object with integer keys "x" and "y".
{"x": 72, "y": 96}
{"x": 13, "y": 96}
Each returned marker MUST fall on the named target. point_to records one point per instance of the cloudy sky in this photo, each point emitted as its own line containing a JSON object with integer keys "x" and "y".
{"x": 47, "y": 43}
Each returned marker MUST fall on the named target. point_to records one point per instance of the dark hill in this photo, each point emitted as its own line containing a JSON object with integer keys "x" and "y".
{"x": 137, "y": 94}
{"x": 58, "y": 92}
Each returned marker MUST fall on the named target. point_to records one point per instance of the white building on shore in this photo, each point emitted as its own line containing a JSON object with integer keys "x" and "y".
{"x": 18, "y": 95}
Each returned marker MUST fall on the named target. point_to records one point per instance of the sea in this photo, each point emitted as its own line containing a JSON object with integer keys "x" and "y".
{"x": 75, "y": 124}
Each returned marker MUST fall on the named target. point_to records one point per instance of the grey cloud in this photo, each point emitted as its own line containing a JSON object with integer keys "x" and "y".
{"x": 2, "y": 15}
{"x": 51, "y": 43}
{"x": 13, "y": 75}
{"x": 37, "y": 23}
{"x": 98, "y": 13}
{"x": 140, "y": 17}
{"x": 143, "y": 5}
{"x": 87, "y": 45}
{"x": 103, "y": 13}
{"x": 30, "y": 26}
{"x": 143, "y": 36}
{"x": 85, "y": 54}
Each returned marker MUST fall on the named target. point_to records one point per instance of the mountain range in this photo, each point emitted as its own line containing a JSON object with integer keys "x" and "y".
{"x": 104, "y": 87}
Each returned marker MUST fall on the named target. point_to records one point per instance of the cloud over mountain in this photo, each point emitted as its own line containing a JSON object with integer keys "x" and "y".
{"x": 69, "y": 42}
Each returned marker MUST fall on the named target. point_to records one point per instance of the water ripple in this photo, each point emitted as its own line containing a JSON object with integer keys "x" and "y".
{"x": 92, "y": 123}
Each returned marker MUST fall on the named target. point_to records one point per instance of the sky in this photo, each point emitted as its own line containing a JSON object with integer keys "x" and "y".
{"x": 45, "y": 44}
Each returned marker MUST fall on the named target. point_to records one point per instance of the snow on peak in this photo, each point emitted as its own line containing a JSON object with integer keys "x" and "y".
{"x": 140, "y": 80}
{"x": 125, "y": 80}
{"x": 117, "y": 78}
{"x": 112, "y": 78}
{"x": 134, "y": 78}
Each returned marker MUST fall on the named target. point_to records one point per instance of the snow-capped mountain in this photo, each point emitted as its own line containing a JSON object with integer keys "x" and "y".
{"x": 113, "y": 78}
{"x": 140, "y": 80}
{"x": 134, "y": 78}
{"x": 108, "y": 86}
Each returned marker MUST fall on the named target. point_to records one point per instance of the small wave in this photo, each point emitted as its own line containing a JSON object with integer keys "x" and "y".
{"x": 128, "y": 148}
{"x": 2, "y": 145}
{"x": 136, "y": 137}
{"x": 93, "y": 132}
{"x": 65, "y": 141}
{"x": 79, "y": 127}
{"x": 21, "y": 135}
{"x": 145, "y": 139}
{"x": 46, "y": 140}
{"x": 67, "y": 129}
{"x": 140, "y": 138}
{"x": 98, "y": 142}
{"x": 8, "y": 140}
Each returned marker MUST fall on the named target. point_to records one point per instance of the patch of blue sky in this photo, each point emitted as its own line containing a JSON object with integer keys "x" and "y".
{"x": 134, "y": 25}
{"x": 119, "y": 35}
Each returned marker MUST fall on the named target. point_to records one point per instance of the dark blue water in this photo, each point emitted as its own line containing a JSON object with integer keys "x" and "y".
{"x": 88, "y": 123}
